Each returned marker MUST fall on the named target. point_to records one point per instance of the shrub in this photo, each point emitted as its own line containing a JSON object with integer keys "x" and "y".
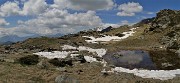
{"x": 29, "y": 60}
{"x": 119, "y": 35}
{"x": 81, "y": 59}
{"x": 61, "y": 63}
{"x": 171, "y": 34}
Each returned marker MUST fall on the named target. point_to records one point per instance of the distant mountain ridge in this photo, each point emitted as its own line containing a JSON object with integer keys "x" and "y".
{"x": 12, "y": 38}
{"x": 6, "y": 40}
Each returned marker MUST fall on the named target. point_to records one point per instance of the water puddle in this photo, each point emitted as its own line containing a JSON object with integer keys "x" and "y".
{"x": 153, "y": 60}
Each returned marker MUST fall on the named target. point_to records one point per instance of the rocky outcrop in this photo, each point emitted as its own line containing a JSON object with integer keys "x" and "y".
{"x": 107, "y": 29}
{"x": 166, "y": 19}
{"x": 144, "y": 21}
{"x": 167, "y": 23}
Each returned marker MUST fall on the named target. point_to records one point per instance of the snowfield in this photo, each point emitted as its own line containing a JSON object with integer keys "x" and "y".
{"x": 99, "y": 52}
{"x": 90, "y": 59}
{"x": 64, "y": 54}
{"x": 54, "y": 54}
{"x": 155, "y": 74}
{"x": 110, "y": 38}
{"x": 68, "y": 47}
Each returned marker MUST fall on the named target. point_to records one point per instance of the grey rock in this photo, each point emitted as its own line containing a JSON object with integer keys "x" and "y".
{"x": 43, "y": 65}
{"x": 62, "y": 69}
{"x": 9, "y": 60}
{"x": 178, "y": 51}
{"x": 65, "y": 79}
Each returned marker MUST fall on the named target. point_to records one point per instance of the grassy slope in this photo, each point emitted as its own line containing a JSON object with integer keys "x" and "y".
{"x": 91, "y": 72}
{"x": 148, "y": 42}
{"x": 139, "y": 40}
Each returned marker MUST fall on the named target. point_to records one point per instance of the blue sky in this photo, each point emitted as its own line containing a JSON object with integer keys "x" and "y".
{"x": 49, "y": 17}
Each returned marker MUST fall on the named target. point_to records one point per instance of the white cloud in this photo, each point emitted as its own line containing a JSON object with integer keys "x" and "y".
{"x": 3, "y": 22}
{"x": 125, "y": 13}
{"x": 9, "y": 8}
{"x": 34, "y": 7}
{"x": 124, "y": 22}
{"x": 30, "y": 7}
{"x": 84, "y": 4}
{"x": 55, "y": 21}
{"x": 52, "y": 19}
{"x": 129, "y": 9}
{"x": 105, "y": 25}
{"x": 55, "y": 18}
{"x": 150, "y": 12}
{"x": 23, "y": 31}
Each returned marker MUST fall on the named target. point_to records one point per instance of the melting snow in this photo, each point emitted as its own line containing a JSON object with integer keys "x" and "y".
{"x": 74, "y": 55}
{"x": 110, "y": 38}
{"x": 66, "y": 47}
{"x": 90, "y": 59}
{"x": 155, "y": 74}
{"x": 55, "y": 54}
{"x": 100, "y": 52}
{"x": 64, "y": 54}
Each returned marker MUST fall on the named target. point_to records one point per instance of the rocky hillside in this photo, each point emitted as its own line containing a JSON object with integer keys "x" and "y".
{"x": 167, "y": 24}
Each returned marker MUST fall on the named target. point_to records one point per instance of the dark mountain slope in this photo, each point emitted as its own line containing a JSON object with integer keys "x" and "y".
{"x": 167, "y": 24}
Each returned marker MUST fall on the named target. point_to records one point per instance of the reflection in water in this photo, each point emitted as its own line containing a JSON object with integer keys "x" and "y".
{"x": 165, "y": 60}
{"x": 142, "y": 59}
{"x": 132, "y": 57}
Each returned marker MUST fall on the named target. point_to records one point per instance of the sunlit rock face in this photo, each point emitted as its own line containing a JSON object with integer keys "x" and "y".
{"x": 165, "y": 19}
{"x": 167, "y": 23}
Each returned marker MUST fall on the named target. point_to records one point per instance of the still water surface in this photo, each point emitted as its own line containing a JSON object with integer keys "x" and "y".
{"x": 153, "y": 60}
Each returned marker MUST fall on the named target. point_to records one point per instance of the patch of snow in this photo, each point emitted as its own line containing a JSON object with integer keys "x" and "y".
{"x": 64, "y": 54}
{"x": 104, "y": 63}
{"x": 155, "y": 74}
{"x": 90, "y": 59}
{"x": 110, "y": 38}
{"x": 105, "y": 71}
{"x": 74, "y": 55}
{"x": 54, "y": 54}
{"x": 99, "y": 52}
{"x": 66, "y": 47}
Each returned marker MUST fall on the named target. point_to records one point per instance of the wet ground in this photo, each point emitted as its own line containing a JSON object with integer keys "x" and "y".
{"x": 153, "y": 60}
